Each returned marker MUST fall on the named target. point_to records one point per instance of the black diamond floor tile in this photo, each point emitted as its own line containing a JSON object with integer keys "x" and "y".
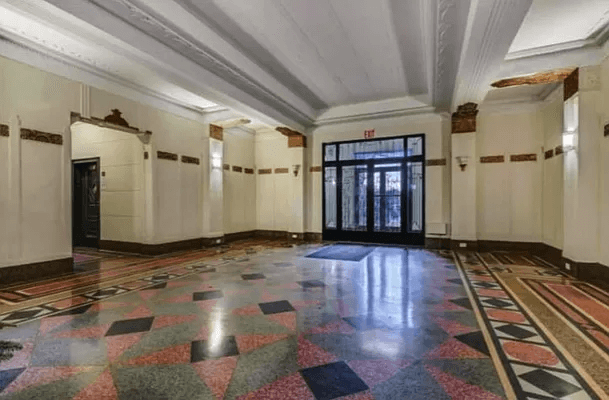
{"x": 455, "y": 281}
{"x": 204, "y": 350}
{"x": 474, "y": 340}
{"x": 75, "y": 311}
{"x": 550, "y": 383}
{"x": 334, "y": 380}
{"x": 19, "y": 315}
{"x": 486, "y": 285}
{"x": 311, "y": 284}
{"x": 9, "y": 375}
{"x": 251, "y": 277}
{"x": 463, "y": 302}
{"x": 497, "y": 303}
{"x": 276, "y": 307}
{"x": 210, "y": 295}
{"x": 516, "y": 331}
{"x": 162, "y": 285}
{"x": 130, "y": 326}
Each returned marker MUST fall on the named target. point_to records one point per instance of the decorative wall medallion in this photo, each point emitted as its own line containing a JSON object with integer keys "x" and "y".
{"x": 559, "y": 150}
{"x": 523, "y": 157}
{"x": 316, "y": 168}
{"x": 44, "y": 137}
{"x": 435, "y": 162}
{"x": 265, "y": 171}
{"x": 237, "y": 169}
{"x": 281, "y": 170}
{"x": 571, "y": 85}
{"x": 216, "y": 132}
{"x": 3, "y": 130}
{"x": 226, "y": 167}
{"x": 190, "y": 160}
{"x": 549, "y": 154}
{"x": 557, "y": 75}
{"x": 163, "y": 155}
{"x": 492, "y": 159}
{"x": 606, "y": 130}
{"x": 297, "y": 141}
{"x": 249, "y": 171}
{"x": 116, "y": 119}
{"x": 464, "y": 119}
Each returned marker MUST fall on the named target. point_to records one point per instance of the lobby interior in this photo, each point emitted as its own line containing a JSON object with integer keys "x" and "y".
{"x": 284, "y": 199}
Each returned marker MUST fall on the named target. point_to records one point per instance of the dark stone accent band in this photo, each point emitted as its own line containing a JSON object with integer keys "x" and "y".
{"x": 3, "y": 130}
{"x": 605, "y": 130}
{"x": 435, "y": 162}
{"x": 35, "y": 271}
{"x": 43, "y": 137}
{"x": 237, "y": 169}
{"x": 492, "y": 159}
{"x": 265, "y": 171}
{"x": 145, "y": 155}
{"x": 549, "y": 154}
{"x": 190, "y": 160}
{"x": 226, "y": 167}
{"x": 281, "y": 170}
{"x": 163, "y": 155}
{"x": 249, "y": 171}
{"x": 559, "y": 150}
{"x": 523, "y": 157}
{"x": 316, "y": 168}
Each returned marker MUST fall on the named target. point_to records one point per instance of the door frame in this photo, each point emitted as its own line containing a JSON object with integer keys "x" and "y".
{"x": 97, "y": 162}
{"x": 402, "y": 238}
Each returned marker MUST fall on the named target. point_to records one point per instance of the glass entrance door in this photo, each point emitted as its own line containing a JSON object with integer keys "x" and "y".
{"x": 373, "y": 190}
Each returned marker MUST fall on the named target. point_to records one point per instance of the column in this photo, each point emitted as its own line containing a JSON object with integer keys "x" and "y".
{"x": 297, "y": 145}
{"x": 463, "y": 177}
{"x": 213, "y": 198}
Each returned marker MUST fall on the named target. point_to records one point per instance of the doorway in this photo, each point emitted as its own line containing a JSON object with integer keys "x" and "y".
{"x": 85, "y": 203}
{"x": 374, "y": 190}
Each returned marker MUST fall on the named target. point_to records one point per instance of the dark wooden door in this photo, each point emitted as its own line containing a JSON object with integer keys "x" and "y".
{"x": 85, "y": 203}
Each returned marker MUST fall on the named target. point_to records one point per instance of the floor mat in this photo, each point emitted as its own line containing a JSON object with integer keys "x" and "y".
{"x": 343, "y": 252}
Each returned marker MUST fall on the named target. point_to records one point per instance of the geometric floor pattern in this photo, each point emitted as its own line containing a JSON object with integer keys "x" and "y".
{"x": 274, "y": 325}
{"x": 533, "y": 364}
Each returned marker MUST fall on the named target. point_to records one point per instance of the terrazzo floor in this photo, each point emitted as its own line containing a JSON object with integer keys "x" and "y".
{"x": 271, "y": 323}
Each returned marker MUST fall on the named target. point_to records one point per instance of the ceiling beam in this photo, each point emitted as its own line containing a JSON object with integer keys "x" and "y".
{"x": 557, "y": 75}
{"x": 491, "y": 28}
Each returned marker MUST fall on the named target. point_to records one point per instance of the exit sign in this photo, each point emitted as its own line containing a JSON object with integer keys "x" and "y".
{"x": 369, "y": 134}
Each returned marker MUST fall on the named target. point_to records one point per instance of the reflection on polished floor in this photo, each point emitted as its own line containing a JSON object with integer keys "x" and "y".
{"x": 268, "y": 322}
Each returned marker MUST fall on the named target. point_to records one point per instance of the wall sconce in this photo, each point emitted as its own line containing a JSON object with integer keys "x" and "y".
{"x": 216, "y": 161}
{"x": 568, "y": 141}
{"x": 462, "y": 161}
{"x": 295, "y": 169}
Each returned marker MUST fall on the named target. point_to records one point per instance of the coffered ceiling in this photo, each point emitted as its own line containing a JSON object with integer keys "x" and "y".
{"x": 302, "y": 63}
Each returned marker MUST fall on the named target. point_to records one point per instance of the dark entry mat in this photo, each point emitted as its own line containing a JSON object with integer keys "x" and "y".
{"x": 343, "y": 252}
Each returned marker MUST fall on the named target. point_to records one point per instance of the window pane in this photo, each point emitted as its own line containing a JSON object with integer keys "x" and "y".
{"x": 354, "y": 202}
{"x": 415, "y": 192}
{"x": 330, "y": 188}
{"x": 415, "y": 146}
{"x": 330, "y": 153}
{"x": 391, "y": 148}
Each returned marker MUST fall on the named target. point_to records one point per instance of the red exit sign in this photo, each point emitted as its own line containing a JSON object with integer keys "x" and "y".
{"x": 369, "y": 134}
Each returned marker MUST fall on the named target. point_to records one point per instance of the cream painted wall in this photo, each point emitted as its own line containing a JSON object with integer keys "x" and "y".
{"x": 437, "y": 145}
{"x": 35, "y": 187}
{"x": 239, "y": 187}
{"x": 604, "y": 165}
{"x": 552, "y": 203}
{"x": 122, "y": 192}
{"x": 509, "y": 194}
{"x": 273, "y": 190}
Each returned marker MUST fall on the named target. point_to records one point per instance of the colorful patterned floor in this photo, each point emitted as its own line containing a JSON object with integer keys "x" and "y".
{"x": 400, "y": 324}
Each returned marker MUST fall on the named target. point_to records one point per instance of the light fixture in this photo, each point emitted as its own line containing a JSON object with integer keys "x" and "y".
{"x": 462, "y": 161}
{"x": 216, "y": 161}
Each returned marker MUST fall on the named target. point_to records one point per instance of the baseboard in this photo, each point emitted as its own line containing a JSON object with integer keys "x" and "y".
{"x": 35, "y": 271}
{"x": 233, "y": 237}
{"x": 272, "y": 234}
{"x": 470, "y": 245}
{"x": 500, "y": 245}
{"x": 442, "y": 243}
{"x": 313, "y": 237}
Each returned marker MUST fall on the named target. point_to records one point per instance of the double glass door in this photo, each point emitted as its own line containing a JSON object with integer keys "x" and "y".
{"x": 373, "y": 191}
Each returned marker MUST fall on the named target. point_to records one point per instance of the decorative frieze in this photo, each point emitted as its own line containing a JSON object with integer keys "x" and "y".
{"x": 216, "y": 132}
{"x": 316, "y": 168}
{"x": 190, "y": 160}
{"x": 464, "y": 119}
{"x": 548, "y": 154}
{"x": 163, "y": 155}
{"x": 226, "y": 167}
{"x": 297, "y": 141}
{"x": 438, "y": 162}
{"x": 523, "y": 157}
{"x": 571, "y": 85}
{"x": 116, "y": 119}
{"x": 492, "y": 159}
{"x": 606, "y": 130}
{"x": 237, "y": 169}
{"x": 249, "y": 171}
{"x": 281, "y": 170}
{"x": 265, "y": 171}
{"x": 43, "y": 137}
{"x": 559, "y": 149}
{"x": 4, "y": 130}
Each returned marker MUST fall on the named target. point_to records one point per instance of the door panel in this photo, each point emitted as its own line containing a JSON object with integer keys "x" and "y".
{"x": 85, "y": 204}
{"x": 355, "y": 198}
